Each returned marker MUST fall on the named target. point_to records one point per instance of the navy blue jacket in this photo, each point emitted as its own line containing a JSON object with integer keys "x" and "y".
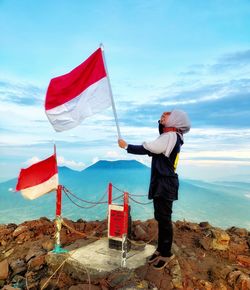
{"x": 164, "y": 181}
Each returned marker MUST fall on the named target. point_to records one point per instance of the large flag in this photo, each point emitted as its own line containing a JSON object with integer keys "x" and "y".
{"x": 78, "y": 94}
{"x": 38, "y": 179}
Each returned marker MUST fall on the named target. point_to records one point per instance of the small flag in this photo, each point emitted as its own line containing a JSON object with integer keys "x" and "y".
{"x": 78, "y": 94}
{"x": 38, "y": 179}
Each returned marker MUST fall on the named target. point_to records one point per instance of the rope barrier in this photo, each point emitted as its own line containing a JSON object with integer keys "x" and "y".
{"x": 67, "y": 192}
{"x": 136, "y": 201}
{"x": 83, "y": 200}
{"x": 85, "y": 207}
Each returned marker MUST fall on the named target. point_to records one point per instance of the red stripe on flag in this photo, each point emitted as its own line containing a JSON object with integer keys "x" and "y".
{"x": 66, "y": 87}
{"x": 37, "y": 173}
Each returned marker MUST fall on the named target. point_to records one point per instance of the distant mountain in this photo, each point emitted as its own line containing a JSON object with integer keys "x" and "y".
{"x": 221, "y": 203}
{"x": 114, "y": 165}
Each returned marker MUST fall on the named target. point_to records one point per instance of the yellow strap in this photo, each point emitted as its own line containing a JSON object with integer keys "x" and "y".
{"x": 176, "y": 161}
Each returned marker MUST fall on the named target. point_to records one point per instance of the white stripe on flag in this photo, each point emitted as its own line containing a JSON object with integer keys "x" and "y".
{"x": 94, "y": 99}
{"x": 41, "y": 189}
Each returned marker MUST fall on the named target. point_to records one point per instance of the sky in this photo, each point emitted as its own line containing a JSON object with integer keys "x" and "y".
{"x": 161, "y": 55}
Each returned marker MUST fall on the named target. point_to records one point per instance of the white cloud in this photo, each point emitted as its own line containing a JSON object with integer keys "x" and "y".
{"x": 61, "y": 161}
{"x": 113, "y": 154}
{"x": 95, "y": 159}
{"x": 32, "y": 160}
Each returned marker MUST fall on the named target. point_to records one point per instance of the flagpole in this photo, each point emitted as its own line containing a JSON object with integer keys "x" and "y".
{"x": 112, "y": 98}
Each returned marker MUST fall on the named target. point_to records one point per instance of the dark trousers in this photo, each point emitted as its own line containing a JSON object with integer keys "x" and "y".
{"x": 163, "y": 214}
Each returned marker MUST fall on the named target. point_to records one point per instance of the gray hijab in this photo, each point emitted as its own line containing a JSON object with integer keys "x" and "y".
{"x": 179, "y": 120}
{"x": 166, "y": 141}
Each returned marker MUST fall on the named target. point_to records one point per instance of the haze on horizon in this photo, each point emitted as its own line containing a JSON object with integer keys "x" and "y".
{"x": 161, "y": 55}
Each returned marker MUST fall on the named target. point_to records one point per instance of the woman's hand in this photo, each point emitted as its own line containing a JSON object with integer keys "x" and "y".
{"x": 123, "y": 144}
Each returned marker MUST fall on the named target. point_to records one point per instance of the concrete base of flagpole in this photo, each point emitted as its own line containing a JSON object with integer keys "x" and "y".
{"x": 98, "y": 259}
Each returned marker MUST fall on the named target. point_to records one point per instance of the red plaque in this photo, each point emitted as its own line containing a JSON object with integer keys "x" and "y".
{"x": 116, "y": 223}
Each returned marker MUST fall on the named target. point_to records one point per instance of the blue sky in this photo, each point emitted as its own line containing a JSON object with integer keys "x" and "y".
{"x": 161, "y": 55}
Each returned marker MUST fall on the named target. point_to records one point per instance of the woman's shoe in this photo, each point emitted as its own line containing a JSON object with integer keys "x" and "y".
{"x": 154, "y": 257}
{"x": 162, "y": 262}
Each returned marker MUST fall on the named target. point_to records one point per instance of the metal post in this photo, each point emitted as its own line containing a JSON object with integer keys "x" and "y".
{"x": 110, "y": 193}
{"x": 125, "y": 232}
{"x": 58, "y": 221}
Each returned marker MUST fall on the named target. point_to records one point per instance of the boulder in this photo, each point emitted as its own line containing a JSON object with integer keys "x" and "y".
{"x": 37, "y": 263}
{"x": 8, "y": 252}
{"x": 35, "y": 251}
{"x": 24, "y": 236}
{"x": 19, "y": 230}
{"x": 243, "y": 260}
{"x": 18, "y": 266}
{"x": 4, "y": 269}
{"x": 241, "y": 232}
{"x": 48, "y": 245}
{"x": 205, "y": 225}
{"x": 220, "y": 240}
{"x": 140, "y": 233}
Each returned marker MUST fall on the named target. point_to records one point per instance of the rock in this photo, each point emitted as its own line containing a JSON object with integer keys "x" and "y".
{"x": 232, "y": 277}
{"x": 19, "y": 281}
{"x": 243, "y": 282}
{"x": 205, "y": 243}
{"x": 84, "y": 287}
{"x": 18, "y": 266}
{"x": 205, "y": 225}
{"x": 48, "y": 245}
{"x": 8, "y": 252}
{"x": 220, "y": 240}
{"x": 238, "y": 248}
{"x": 3, "y": 243}
{"x": 119, "y": 279}
{"x": 219, "y": 285}
{"x": 2, "y": 282}
{"x": 241, "y": 232}
{"x": 37, "y": 263}
{"x": 205, "y": 285}
{"x": 19, "y": 230}
{"x": 140, "y": 233}
{"x": 176, "y": 250}
{"x": 34, "y": 252}
{"x": 4, "y": 269}
{"x": 175, "y": 272}
{"x": 243, "y": 260}
{"x": 9, "y": 287}
{"x": 24, "y": 236}
{"x": 187, "y": 226}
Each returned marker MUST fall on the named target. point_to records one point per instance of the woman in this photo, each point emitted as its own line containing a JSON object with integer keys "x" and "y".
{"x": 164, "y": 182}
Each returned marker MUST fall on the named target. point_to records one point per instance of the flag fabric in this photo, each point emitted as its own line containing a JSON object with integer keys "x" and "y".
{"x": 78, "y": 94}
{"x": 38, "y": 179}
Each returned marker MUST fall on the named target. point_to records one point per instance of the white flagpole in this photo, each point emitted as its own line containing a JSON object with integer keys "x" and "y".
{"x": 112, "y": 99}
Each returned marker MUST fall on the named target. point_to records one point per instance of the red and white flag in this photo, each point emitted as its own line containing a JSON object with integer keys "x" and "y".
{"x": 78, "y": 94}
{"x": 38, "y": 179}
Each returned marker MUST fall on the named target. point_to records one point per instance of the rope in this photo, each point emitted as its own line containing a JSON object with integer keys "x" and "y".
{"x": 85, "y": 207}
{"x": 66, "y": 191}
{"x": 139, "y": 195}
{"x": 117, "y": 188}
{"x": 136, "y": 201}
{"x": 83, "y": 200}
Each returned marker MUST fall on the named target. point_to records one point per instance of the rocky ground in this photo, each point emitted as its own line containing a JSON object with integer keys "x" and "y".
{"x": 206, "y": 257}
